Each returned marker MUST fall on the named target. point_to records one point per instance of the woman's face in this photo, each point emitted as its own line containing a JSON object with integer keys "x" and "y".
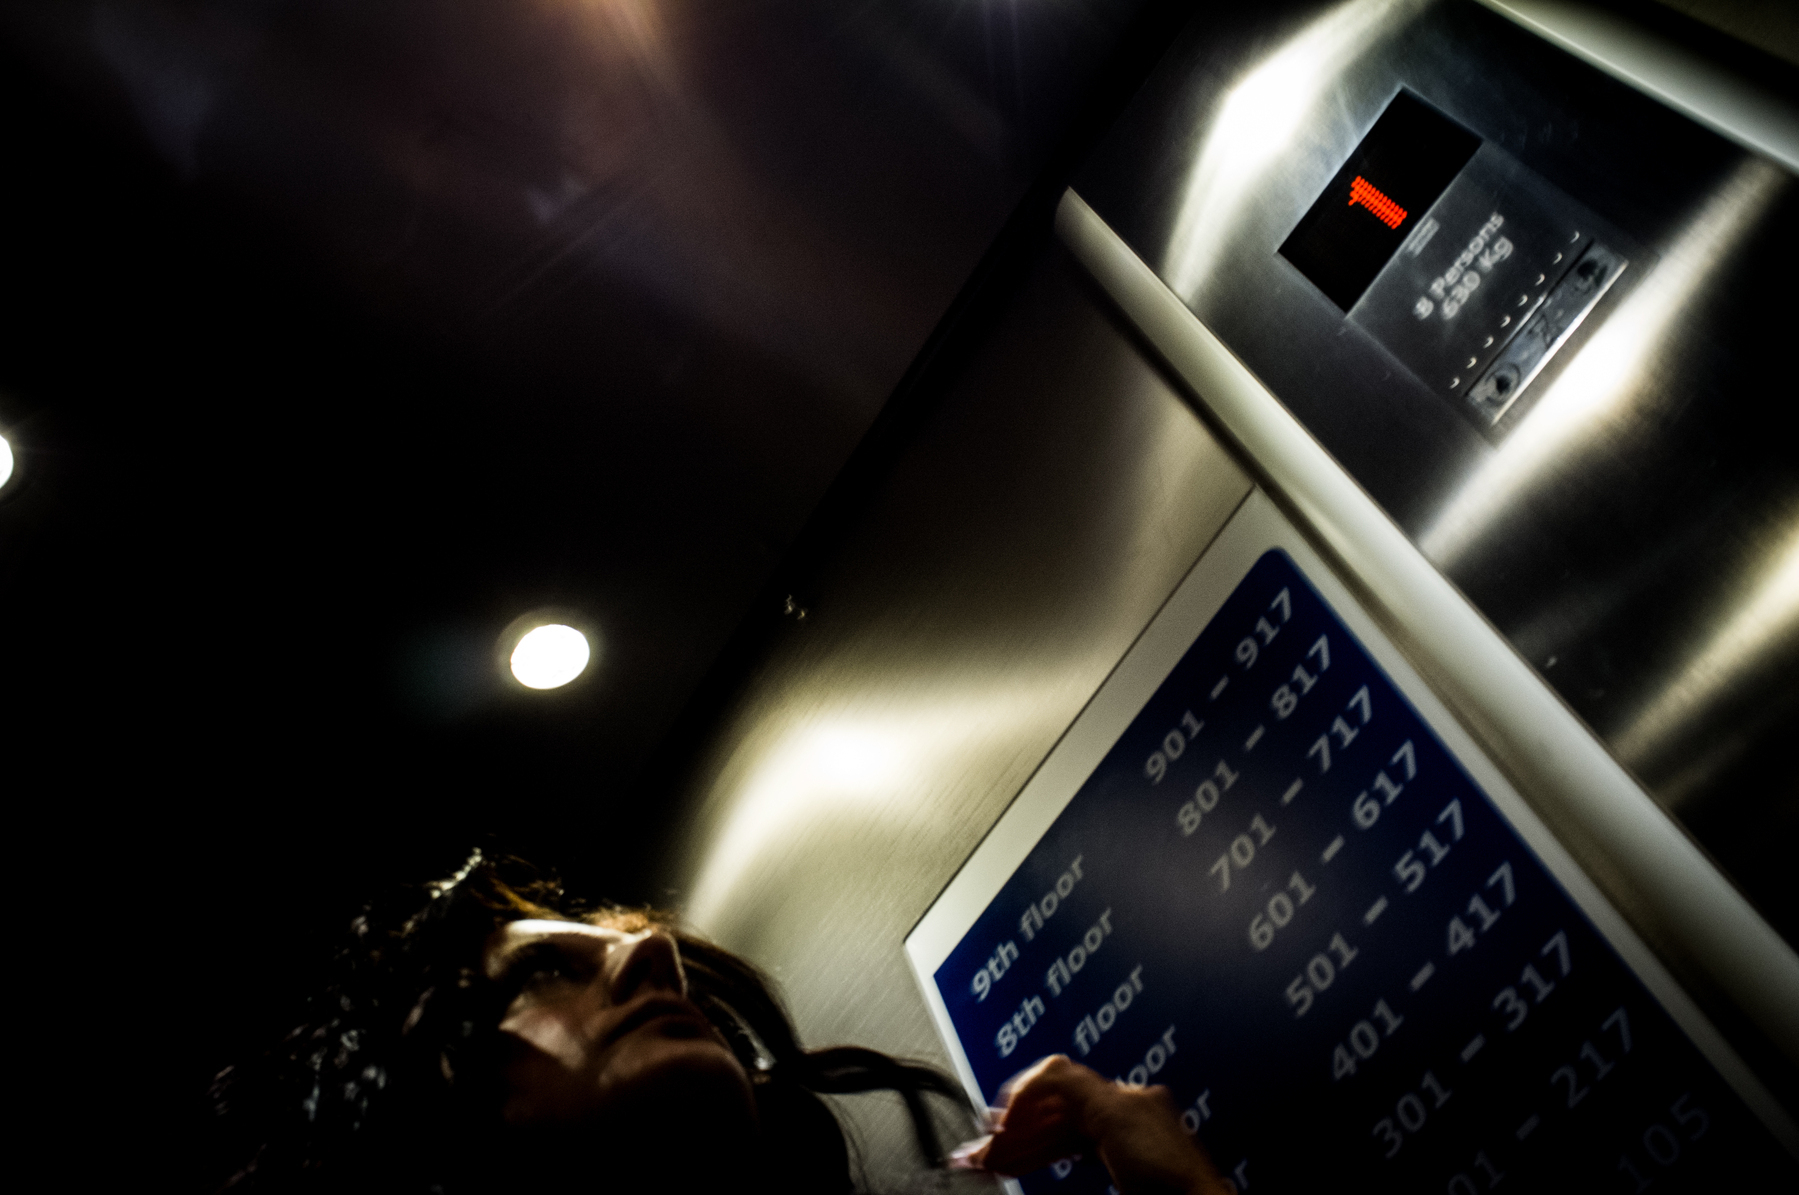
{"x": 602, "y": 1035}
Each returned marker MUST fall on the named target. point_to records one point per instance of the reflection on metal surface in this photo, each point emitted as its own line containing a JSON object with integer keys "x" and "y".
{"x": 1753, "y": 118}
{"x": 850, "y": 767}
{"x": 1757, "y": 621}
{"x": 1257, "y": 123}
{"x": 1590, "y": 404}
{"x": 1041, "y": 517}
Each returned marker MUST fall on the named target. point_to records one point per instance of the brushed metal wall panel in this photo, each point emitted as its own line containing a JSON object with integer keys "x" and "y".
{"x": 1629, "y": 524}
{"x": 1041, "y": 517}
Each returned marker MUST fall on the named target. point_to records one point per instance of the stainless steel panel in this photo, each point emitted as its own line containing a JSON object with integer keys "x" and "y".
{"x": 1040, "y": 519}
{"x": 1596, "y": 810}
{"x": 1755, "y": 116}
{"x": 1633, "y": 527}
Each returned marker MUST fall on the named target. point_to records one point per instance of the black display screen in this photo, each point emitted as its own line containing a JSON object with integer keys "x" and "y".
{"x": 1408, "y": 158}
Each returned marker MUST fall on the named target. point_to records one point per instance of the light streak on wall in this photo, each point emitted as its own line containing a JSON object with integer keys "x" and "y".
{"x": 853, "y": 766}
{"x": 1259, "y": 123}
{"x": 1764, "y": 617}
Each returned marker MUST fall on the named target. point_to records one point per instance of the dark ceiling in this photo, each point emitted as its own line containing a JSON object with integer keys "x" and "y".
{"x": 337, "y": 335}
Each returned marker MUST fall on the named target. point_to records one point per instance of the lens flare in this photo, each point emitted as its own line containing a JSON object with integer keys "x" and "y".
{"x": 550, "y": 656}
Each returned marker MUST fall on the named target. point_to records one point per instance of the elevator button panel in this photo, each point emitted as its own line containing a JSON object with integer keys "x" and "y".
{"x": 1458, "y": 260}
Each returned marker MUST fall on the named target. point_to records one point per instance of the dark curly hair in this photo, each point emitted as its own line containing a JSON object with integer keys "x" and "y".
{"x": 390, "y": 1084}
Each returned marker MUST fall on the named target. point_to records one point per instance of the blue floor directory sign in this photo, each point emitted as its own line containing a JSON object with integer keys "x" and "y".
{"x": 1281, "y": 895}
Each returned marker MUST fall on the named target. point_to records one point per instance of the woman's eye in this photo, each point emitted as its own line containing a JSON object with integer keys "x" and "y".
{"x": 545, "y": 966}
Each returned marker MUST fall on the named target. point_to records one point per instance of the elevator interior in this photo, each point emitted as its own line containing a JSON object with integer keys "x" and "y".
{"x": 1616, "y": 514}
{"x": 1567, "y": 507}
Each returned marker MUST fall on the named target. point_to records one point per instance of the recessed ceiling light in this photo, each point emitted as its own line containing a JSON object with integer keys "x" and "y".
{"x": 5, "y": 461}
{"x": 550, "y": 656}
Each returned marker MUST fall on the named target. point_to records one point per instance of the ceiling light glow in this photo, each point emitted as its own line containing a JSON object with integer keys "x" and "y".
{"x": 550, "y": 656}
{"x": 5, "y": 461}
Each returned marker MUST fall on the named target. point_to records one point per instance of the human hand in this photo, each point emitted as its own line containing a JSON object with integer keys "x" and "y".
{"x": 1059, "y": 1108}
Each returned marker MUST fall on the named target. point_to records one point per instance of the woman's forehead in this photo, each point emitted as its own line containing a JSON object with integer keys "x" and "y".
{"x": 533, "y": 929}
{"x": 514, "y": 936}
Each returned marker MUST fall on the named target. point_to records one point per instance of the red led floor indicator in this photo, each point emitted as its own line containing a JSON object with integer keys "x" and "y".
{"x": 1414, "y": 152}
{"x": 1369, "y": 196}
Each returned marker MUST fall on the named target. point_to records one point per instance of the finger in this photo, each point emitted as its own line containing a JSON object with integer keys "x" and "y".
{"x": 1043, "y": 1117}
{"x": 1033, "y": 1103}
{"x": 1034, "y": 1073}
{"x": 1034, "y": 1142}
{"x": 970, "y": 1155}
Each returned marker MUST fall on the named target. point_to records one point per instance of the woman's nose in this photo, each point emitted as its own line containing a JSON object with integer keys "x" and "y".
{"x": 651, "y": 961}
